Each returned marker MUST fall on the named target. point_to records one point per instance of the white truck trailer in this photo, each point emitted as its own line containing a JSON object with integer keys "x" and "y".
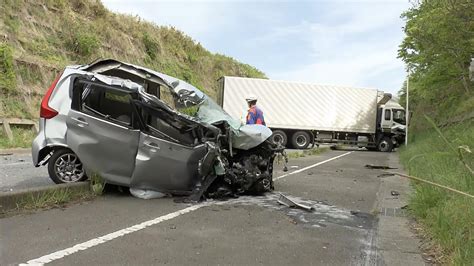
{"x": 300, "y": 113}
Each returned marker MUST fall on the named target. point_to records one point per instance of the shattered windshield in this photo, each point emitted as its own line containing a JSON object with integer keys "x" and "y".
{"x": 187, "y": 94}
{"x": 210, "y": 112}
{"x": 191, "y": 101}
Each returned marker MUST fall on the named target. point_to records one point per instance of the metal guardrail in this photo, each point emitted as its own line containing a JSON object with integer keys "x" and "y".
{"x": 6, "y": 124}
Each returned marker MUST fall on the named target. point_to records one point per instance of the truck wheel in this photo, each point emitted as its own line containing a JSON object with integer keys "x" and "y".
{"x": 64, "y": 167}
{"x": 385, "y": 145}
{"x": 300, "y": 140}
{"x": 279, "y": 136}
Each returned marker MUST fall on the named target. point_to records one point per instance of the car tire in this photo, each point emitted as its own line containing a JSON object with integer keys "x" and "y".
{"x": 300, "y": 140}
{"x": 65, "y": 167}
{"x": 385, "y": 145}
{"x": 279, "y": 136}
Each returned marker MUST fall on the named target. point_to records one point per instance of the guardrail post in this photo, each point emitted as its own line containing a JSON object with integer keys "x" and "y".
{"x": 7, "y": 129}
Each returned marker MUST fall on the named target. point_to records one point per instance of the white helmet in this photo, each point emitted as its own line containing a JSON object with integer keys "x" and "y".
{"x": 251, "y": 98}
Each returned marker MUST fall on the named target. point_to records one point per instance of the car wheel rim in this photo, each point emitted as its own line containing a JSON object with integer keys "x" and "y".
{"x": 301, "y": 141}
{"x": 68, "y": 168}
{"x": 277, "y": 139}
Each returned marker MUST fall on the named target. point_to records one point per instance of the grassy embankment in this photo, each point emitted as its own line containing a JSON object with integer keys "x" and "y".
{"x": 39, "y": 38}
{"x": 448, "y": 217}
{"x": 56, "y": 197}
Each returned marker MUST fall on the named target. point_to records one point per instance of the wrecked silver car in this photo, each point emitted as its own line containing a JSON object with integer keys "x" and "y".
{"x": 146, "y": 130}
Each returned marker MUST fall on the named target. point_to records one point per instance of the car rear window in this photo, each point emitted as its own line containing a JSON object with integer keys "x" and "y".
{"x": 108, "y": 103}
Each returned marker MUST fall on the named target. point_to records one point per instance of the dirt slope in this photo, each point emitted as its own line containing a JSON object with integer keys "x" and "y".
{"x": 39, "y": 38}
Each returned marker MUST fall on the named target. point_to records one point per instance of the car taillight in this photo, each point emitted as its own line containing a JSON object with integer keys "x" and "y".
{"x": 46, "y": 111}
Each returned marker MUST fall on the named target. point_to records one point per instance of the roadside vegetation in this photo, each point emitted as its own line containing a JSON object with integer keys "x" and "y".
{"x": 22, "y": 138}
{"x": 97, "y": 184}
{"x": 57, "y": 197}
{"x": 448, "y": 217}
{"x": 51, "y": 199}
{"x": 437, "y": 49}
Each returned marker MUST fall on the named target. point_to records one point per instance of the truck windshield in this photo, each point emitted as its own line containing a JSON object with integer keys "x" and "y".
{"x": 399, "y": 116}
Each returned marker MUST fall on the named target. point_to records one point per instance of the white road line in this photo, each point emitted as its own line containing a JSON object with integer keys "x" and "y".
{"x": 13, "y": 164}
{"x": 311, "y": 166}
{"x": 106, "y": 238}
{"x": 100, "y": 240}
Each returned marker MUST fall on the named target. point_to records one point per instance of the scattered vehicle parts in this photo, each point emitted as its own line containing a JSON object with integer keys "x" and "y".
{"x": 148, "y": 131}
{"x": 320, "y": 216}
{"x": 360, "y": 214}
{"x": 146, "y": 193}
{"x": 385, "y": 175}
{"x": 371, "y": 166}
{"x": 284, "y": 200}
{"x": 394, "y": 193}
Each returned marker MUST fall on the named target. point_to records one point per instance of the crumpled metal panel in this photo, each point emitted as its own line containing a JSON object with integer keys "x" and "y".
{"x": 167, "y": 166}
{"x": 249, "y": 136}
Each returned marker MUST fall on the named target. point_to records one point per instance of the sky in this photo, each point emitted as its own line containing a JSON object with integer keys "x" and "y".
{"x": 349, "y": 43}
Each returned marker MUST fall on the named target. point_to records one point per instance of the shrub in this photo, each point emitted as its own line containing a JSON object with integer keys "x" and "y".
{"x": 151, "y": 46}
{"x": 83, "y": 42}
{"x": 7, "y": 73}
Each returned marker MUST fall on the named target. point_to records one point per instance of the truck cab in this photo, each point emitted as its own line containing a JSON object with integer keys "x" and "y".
{"x": 391, "y": 125}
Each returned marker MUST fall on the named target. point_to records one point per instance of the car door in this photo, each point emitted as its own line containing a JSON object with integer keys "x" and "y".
{"x": 167, "y": 159}
{"x": 100, "y": 130}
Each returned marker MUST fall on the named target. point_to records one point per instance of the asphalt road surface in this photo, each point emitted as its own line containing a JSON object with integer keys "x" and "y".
{"x": 350, "y": 224}
{"x": 17, "y": 172}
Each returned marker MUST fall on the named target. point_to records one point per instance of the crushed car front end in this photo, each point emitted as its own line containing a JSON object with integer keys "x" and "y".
{"x": 239, "y": 158}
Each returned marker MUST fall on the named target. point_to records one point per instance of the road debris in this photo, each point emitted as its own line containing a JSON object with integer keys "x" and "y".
{"x": 385, "y": 175}
{"x": 433, "y": 184}
{"x": 321, "y": 214}
{"x": 146, "y": 193}
{"x": 283, "y": 200}
{"x": 371, "y": 166}
{"x": 395, "y": 193}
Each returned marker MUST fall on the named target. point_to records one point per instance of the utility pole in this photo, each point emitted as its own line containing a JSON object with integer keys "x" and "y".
{"x": 407, "y": 111}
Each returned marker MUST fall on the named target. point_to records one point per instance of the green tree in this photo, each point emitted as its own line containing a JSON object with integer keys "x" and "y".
{"x": 438, "y": 48}
{"x": 440, "y": 40}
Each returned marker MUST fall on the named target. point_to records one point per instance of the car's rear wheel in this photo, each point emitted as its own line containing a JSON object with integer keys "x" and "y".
{"x": 65, "y": 167}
